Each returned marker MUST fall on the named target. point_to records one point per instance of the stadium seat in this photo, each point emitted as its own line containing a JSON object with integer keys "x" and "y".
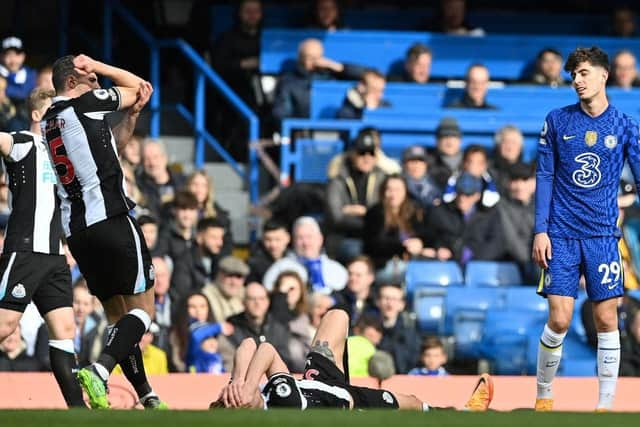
{"x": 431, "y": 273}
{"x": 505, "y": 342}
{"x": 464, "y": 311}
{"x": 307, "y": 159}
{"x": 492, "y": 273}
{"x": 428, "y": 304}
{"x": 578, "y": 358}
{"x": 524, "y": 298}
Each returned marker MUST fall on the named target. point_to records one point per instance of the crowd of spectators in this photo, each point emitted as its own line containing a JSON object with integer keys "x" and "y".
{"x": 440, "y": 203}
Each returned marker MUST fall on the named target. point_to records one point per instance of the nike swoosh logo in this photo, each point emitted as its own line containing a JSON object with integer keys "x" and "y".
{"x": 612, "y": 287}
{"x": 568, "y": 137}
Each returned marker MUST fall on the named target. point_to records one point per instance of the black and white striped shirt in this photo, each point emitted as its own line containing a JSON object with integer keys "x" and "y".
{"x": 34, "y": 224}
{"x": 91, "y": 183}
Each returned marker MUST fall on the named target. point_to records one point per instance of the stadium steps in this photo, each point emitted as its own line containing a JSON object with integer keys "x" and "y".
{"x": 230, "y": 190}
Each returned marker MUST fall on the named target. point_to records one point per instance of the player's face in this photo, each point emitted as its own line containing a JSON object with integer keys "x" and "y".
{"x": 588, "y": 80}
{"x": 420, "y": 68}
{"x": 276, "y": 242}
{"x": 197, "y": 308}
{"x": 87, "y": 83}
{"x": 360, "y": 278}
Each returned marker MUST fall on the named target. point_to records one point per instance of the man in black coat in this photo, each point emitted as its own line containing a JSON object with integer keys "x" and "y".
{"x": 464, "y": 227}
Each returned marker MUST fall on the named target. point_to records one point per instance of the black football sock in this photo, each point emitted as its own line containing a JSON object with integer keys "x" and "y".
{"x": 133, "y": 369}
{"x": 65, "y": 366}
{"x": 126, "y": 333}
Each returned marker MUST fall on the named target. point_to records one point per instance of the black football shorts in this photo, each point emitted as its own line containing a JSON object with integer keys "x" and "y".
{"x": 113, "y": 257}
{"x": 29, "y": 276}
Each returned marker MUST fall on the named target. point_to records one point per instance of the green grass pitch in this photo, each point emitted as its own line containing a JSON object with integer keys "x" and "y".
{"x": 319, "y": 418}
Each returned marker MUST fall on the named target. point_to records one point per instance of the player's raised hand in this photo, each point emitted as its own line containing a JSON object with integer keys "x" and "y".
{"x": 541, "y": 250}
{"x": 84, "y": 64}
{"x": 144, "y": 94}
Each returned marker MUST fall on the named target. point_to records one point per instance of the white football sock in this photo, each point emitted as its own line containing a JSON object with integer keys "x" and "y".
{"x": 608, "y": 366}
{"x": 549, "y": 354}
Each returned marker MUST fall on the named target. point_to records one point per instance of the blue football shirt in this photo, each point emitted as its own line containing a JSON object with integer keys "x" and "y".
{"x": 580, "y": 160}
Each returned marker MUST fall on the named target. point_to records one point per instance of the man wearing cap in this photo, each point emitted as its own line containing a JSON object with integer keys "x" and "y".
{"x": 349, "y": 195}
{"x": 226, "y": 292}
{"x": 464, "y": 229}
{"x": 420, "y": 184}
{"x": 517, "y": 217}
{"x": 21, "y": 80}
{"x": 446, "y": 159}
{"x": 385, "y": 163}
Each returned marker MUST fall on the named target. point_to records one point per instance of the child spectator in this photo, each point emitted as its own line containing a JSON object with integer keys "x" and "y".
{"x": 362, "y": 345}
{"x": 432, "y": 358}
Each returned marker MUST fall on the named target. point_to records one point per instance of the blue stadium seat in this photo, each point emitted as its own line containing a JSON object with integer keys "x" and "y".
{"x": 428, "y": 304}
{"x": 431, "y": 273}
{"x": 309, "y": 159}
{"x": 465, "y": 306}
{"x": 492, "y": 273}
{"x": 505, "y": 341}
{"x": 525, "y": 298}
{"x": 578, "y": 358}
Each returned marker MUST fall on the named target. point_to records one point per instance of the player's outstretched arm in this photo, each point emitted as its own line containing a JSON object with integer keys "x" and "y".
{"x": 6, "y": 142}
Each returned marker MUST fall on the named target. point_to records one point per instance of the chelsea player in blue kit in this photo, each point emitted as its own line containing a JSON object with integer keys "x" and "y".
{"x": 581, "y": 152}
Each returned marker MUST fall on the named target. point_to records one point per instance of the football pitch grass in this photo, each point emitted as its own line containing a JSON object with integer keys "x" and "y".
{"x": 319, "y": 418}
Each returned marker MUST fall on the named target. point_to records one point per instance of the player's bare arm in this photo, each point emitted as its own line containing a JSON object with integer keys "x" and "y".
{"x": 126, "y": 82}
{"x": 6, "y": 142}
{"x": 124, "y": 130}
{"x": 230, "y": 396}
{"x": 541, "y": 253}
{"x": 265, "y": 361}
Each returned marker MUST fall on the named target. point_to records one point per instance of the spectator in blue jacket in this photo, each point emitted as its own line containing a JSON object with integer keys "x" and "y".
{"x": 21, "y": 80}
{"x": 293, "y": 93}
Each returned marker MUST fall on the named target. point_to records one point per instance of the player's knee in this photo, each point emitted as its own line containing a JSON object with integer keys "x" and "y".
{"x": 606, "y": 321}
{"x": 336, "y": 316}
{"x": 559, "y": 324}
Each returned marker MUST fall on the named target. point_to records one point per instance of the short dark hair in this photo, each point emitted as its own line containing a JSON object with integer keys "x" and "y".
{"x": 61, "y": 69}
{"x": 473, "y": 149}
{"x": 274, "y": 224}
{"x": 416, "y": 50}
{"x": 368, "y": 321}
{"x": 593, "y": 55}
{"x": 372, "y": 72}
{"x": 366, "y": 260}
{"x": 185, "y": 200}
{"x": 206, "y": 223}
{"x": 146, "y": 219}
{"x": 431, "y": 342}
{"x": 549, "y": 50}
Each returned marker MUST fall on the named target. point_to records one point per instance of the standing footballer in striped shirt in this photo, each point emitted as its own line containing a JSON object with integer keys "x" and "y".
{"x": 106, "y": 242}
{"x": 33, "y": 265}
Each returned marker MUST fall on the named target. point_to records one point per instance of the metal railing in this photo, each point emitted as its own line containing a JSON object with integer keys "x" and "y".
{"x": 203, "y": 74}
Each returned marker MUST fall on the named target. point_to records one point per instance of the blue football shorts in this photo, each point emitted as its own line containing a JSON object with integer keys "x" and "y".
{"x": 598, "y": 258}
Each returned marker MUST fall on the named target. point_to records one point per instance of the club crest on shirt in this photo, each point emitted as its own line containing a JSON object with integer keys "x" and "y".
{"x": 19, "y": 291}
{"x": 590, "y": 138}
{"x": 610, "y": 141}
